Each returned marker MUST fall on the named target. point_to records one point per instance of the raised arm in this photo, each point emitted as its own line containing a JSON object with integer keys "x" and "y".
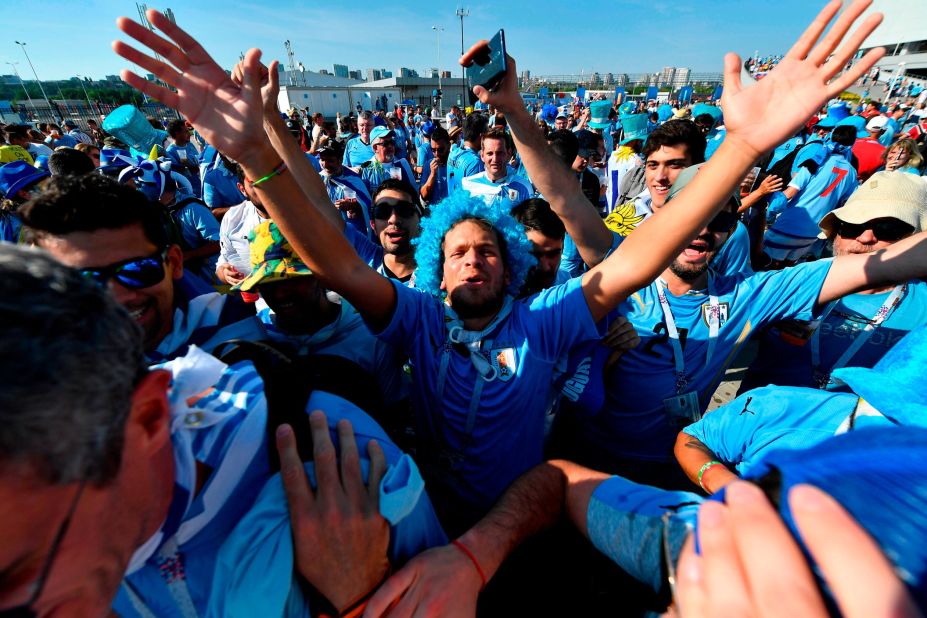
{"x": 757, "y": 118}
{"x": 694, "y": 458}
{"x": 556, "y": 182}
{"x": 230, "y": 117}
{"x": 903, "y": 261}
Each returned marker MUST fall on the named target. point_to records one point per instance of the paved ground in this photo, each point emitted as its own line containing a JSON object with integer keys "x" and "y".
{"x": 727, "y": 390}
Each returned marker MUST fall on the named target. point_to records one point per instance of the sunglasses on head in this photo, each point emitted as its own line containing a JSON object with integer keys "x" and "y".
{"x": 884, "y": 229}
{"x": 134, "y": 273}
{"x": 723, "y": 222}
{"x": 403, "y": 209}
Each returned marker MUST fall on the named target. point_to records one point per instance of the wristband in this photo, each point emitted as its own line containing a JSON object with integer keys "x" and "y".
{"x": 704, "y": 469}
{"x": 356, "y": 609}
{"x": 469, "y": 554}
{"x": 281, "y": 167}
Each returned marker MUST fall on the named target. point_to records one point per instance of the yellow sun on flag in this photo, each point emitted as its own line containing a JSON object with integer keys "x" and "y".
{"x": 623, "y": 219}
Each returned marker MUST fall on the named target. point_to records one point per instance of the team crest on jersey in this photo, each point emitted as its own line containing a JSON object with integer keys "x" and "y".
{"x": 503, "y": 361}
{"x": 513, "y": 194}
{"x": 722, "y": 313}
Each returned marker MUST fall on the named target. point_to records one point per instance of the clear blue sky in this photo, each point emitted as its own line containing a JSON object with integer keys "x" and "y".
{"x": 544, "y": 36}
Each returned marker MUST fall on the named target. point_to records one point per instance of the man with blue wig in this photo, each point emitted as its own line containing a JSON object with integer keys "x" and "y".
{"x": 483, "y": 362}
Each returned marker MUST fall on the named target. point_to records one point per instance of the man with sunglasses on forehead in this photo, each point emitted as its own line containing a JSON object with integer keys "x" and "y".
{"x": 860, "y": 328}
{"x": 385, "y": 164}
{"x": 114, "y": 235}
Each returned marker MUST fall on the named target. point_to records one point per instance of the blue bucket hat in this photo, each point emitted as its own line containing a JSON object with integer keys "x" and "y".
{"x": 857, "y": 122}
{"x": 599, "y": 111}
{"x": 634, "y": 126}
{"x": 703, "y": 108}
{"x": 895, "y": 385}
{"x": 18, "y": 175}
{"x": 627, "y": 108}
{"x": 827, "y": 122}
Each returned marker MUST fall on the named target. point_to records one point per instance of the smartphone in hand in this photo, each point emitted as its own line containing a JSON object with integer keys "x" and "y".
{"x": 489, "y": 67}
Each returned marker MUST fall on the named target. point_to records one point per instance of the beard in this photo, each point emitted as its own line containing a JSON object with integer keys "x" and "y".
{"x": 691, "y": 272}
{"x": 466, "y": 306}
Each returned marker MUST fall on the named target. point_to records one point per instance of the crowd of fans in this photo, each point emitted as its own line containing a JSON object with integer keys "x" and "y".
{"x": 264, "y": 363}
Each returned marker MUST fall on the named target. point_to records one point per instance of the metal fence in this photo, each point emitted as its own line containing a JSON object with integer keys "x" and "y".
{"x": 80, "y": 113}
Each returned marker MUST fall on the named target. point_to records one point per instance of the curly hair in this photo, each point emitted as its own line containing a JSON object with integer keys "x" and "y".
{"x": 459, "y": 206}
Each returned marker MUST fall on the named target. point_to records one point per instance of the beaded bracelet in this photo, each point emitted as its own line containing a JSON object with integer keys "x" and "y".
{"x": 274, "y": 172}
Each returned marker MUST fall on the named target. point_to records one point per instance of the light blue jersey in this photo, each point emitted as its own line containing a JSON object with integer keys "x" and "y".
{"x": 481, "y": 434}
{"x": 220, "y": 187}
{"x": 356, "y": 152}
{"x": 505, "y": 193}
{"x": 634, "y": 422}
{"x": 714, "y": 140}
{"x": 783, "y": 150}
{"x": 465, "y": 161}
{"x": 199, "y": 226}
{"x": 340, "y": 186}
{"x": 443, "y": 182}
{"x": 785, "y": 352}
{"x": 818, "y": 194}
{"x": 734, "y": 256}
{"x": 371, "y": 253}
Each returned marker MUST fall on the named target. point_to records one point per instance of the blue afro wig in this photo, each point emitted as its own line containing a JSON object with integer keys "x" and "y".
{"x": 458, "y": 206}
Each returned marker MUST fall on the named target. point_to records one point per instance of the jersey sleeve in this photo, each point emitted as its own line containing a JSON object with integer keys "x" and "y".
{"x": 801, "y": 179}
{"x": 788, "y": 293}
{"x": 728, "y": 430}
{"x": 205, "y": 222}
{"x": 560, "y": 316}
{"x": 412, "y": 317}
{"x": 369, "y": 252}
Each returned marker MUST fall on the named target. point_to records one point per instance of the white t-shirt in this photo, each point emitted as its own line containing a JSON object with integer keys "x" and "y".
{"x": 234, "y": 247}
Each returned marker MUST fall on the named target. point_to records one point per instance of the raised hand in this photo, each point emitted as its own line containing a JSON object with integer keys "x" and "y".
{"x": 765, "y": 114}
{"x": 505, "y": 97}
{"x": 339, "y": 537}
{"x": 227, "y": 114}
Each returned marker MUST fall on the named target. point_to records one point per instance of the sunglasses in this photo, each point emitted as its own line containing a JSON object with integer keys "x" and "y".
{"x": 134, "y": 273}
{"x": 403, "y": 209}
{"x": 383, "y": 143}
{"x": 888, "y": 230}
{"x": 723, "y": 222}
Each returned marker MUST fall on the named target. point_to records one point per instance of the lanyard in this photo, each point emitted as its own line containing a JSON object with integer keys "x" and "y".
{"x": 822, "y": 377}
{"x": 714, "y": 323}
{"x": 474, "y": 341}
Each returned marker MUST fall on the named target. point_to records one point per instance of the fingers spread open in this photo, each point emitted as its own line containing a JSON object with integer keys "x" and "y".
{"x": 161, "y": 70}
{"x": 829, "y": 43}
{"x": 813, "y": 32}
{"x": 189, "y": 45}
{"x": 864, "y": 64}
{"x": 151, "y": 89}
{"x": 155, "y": 42}
{"x": 732, "y": 68}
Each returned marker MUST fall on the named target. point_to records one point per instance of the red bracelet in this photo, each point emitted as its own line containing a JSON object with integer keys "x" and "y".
{"x": 472, "y": 558}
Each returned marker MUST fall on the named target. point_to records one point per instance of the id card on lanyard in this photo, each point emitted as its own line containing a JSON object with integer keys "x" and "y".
{"x": 684, "y": 405}
{"x": 822, "y": 377}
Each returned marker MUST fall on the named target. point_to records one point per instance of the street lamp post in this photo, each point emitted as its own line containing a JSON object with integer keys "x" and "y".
{"x": 461, "y": 13}
{"x": 87, "y": 96}
{"x": 45, "y": 96}
{"x": 438, "y": 30}
{"x": 23, "y": 84}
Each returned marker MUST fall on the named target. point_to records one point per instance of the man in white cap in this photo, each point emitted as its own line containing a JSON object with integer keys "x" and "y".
{"x": 860, "y": 328}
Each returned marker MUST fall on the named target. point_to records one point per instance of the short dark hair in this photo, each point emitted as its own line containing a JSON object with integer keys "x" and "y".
{"x": 395, "y": 184}
{"x": 18, "y": 131}
{"x": 69, "y": 161}
{"x": 474, "y": 126}
{"x": 564, "y": 144}
{"x": 500, "y": 120}
{"x": 175, "y": 126}
{"x": 844, "y": 135}
{"x": 236, "y": 170}
{"x": 440, "y": 134}
{"x": 677, "y": 133}
{"x": 535, "y": 214}
{"x": 92, "y": 202}
{"x": 499, "y": 134}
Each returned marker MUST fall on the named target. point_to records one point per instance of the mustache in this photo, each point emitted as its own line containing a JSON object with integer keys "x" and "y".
{"x": 709, "y": 241}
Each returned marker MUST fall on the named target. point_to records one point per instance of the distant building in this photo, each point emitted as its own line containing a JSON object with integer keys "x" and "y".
{"x": 341, "y": 70}
{"x": 355, "y": 74}
{"x": 681, "y": 77}
{"x": 406, "y": 72}
{"x": 384, "y": 74}
{"x": 445, "y": 74}
{"x": 666, "y": 76}
{"x": 433, "y": 72}
{"x": 374, "y": 75}
{"x": 9, "y": 80}
{"x": 526, "y": 76}
{"x": 324, "y": 72}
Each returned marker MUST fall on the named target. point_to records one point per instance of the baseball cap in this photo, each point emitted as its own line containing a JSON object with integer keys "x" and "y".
{"x": 379, "y": 133}
{"x": 18, "y": 175}
{"x": 886, "y": 194}
{"x": 877, "y": 123}
{"x": 272, "y": 258}
{"x": 857, "y": 122}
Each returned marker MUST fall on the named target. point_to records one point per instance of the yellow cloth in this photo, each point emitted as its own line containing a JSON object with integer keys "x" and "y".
{"x": 8, "y": 154}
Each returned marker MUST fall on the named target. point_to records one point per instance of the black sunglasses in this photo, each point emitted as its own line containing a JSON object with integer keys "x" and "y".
{"x": 886, "y": 229}
{"x": 385, "y": 142}
{"x": 134, "y": 273}
{"x": 25, "y": 610}
{"x": 723, "y": 222}
{"x": 403, "y": 209}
